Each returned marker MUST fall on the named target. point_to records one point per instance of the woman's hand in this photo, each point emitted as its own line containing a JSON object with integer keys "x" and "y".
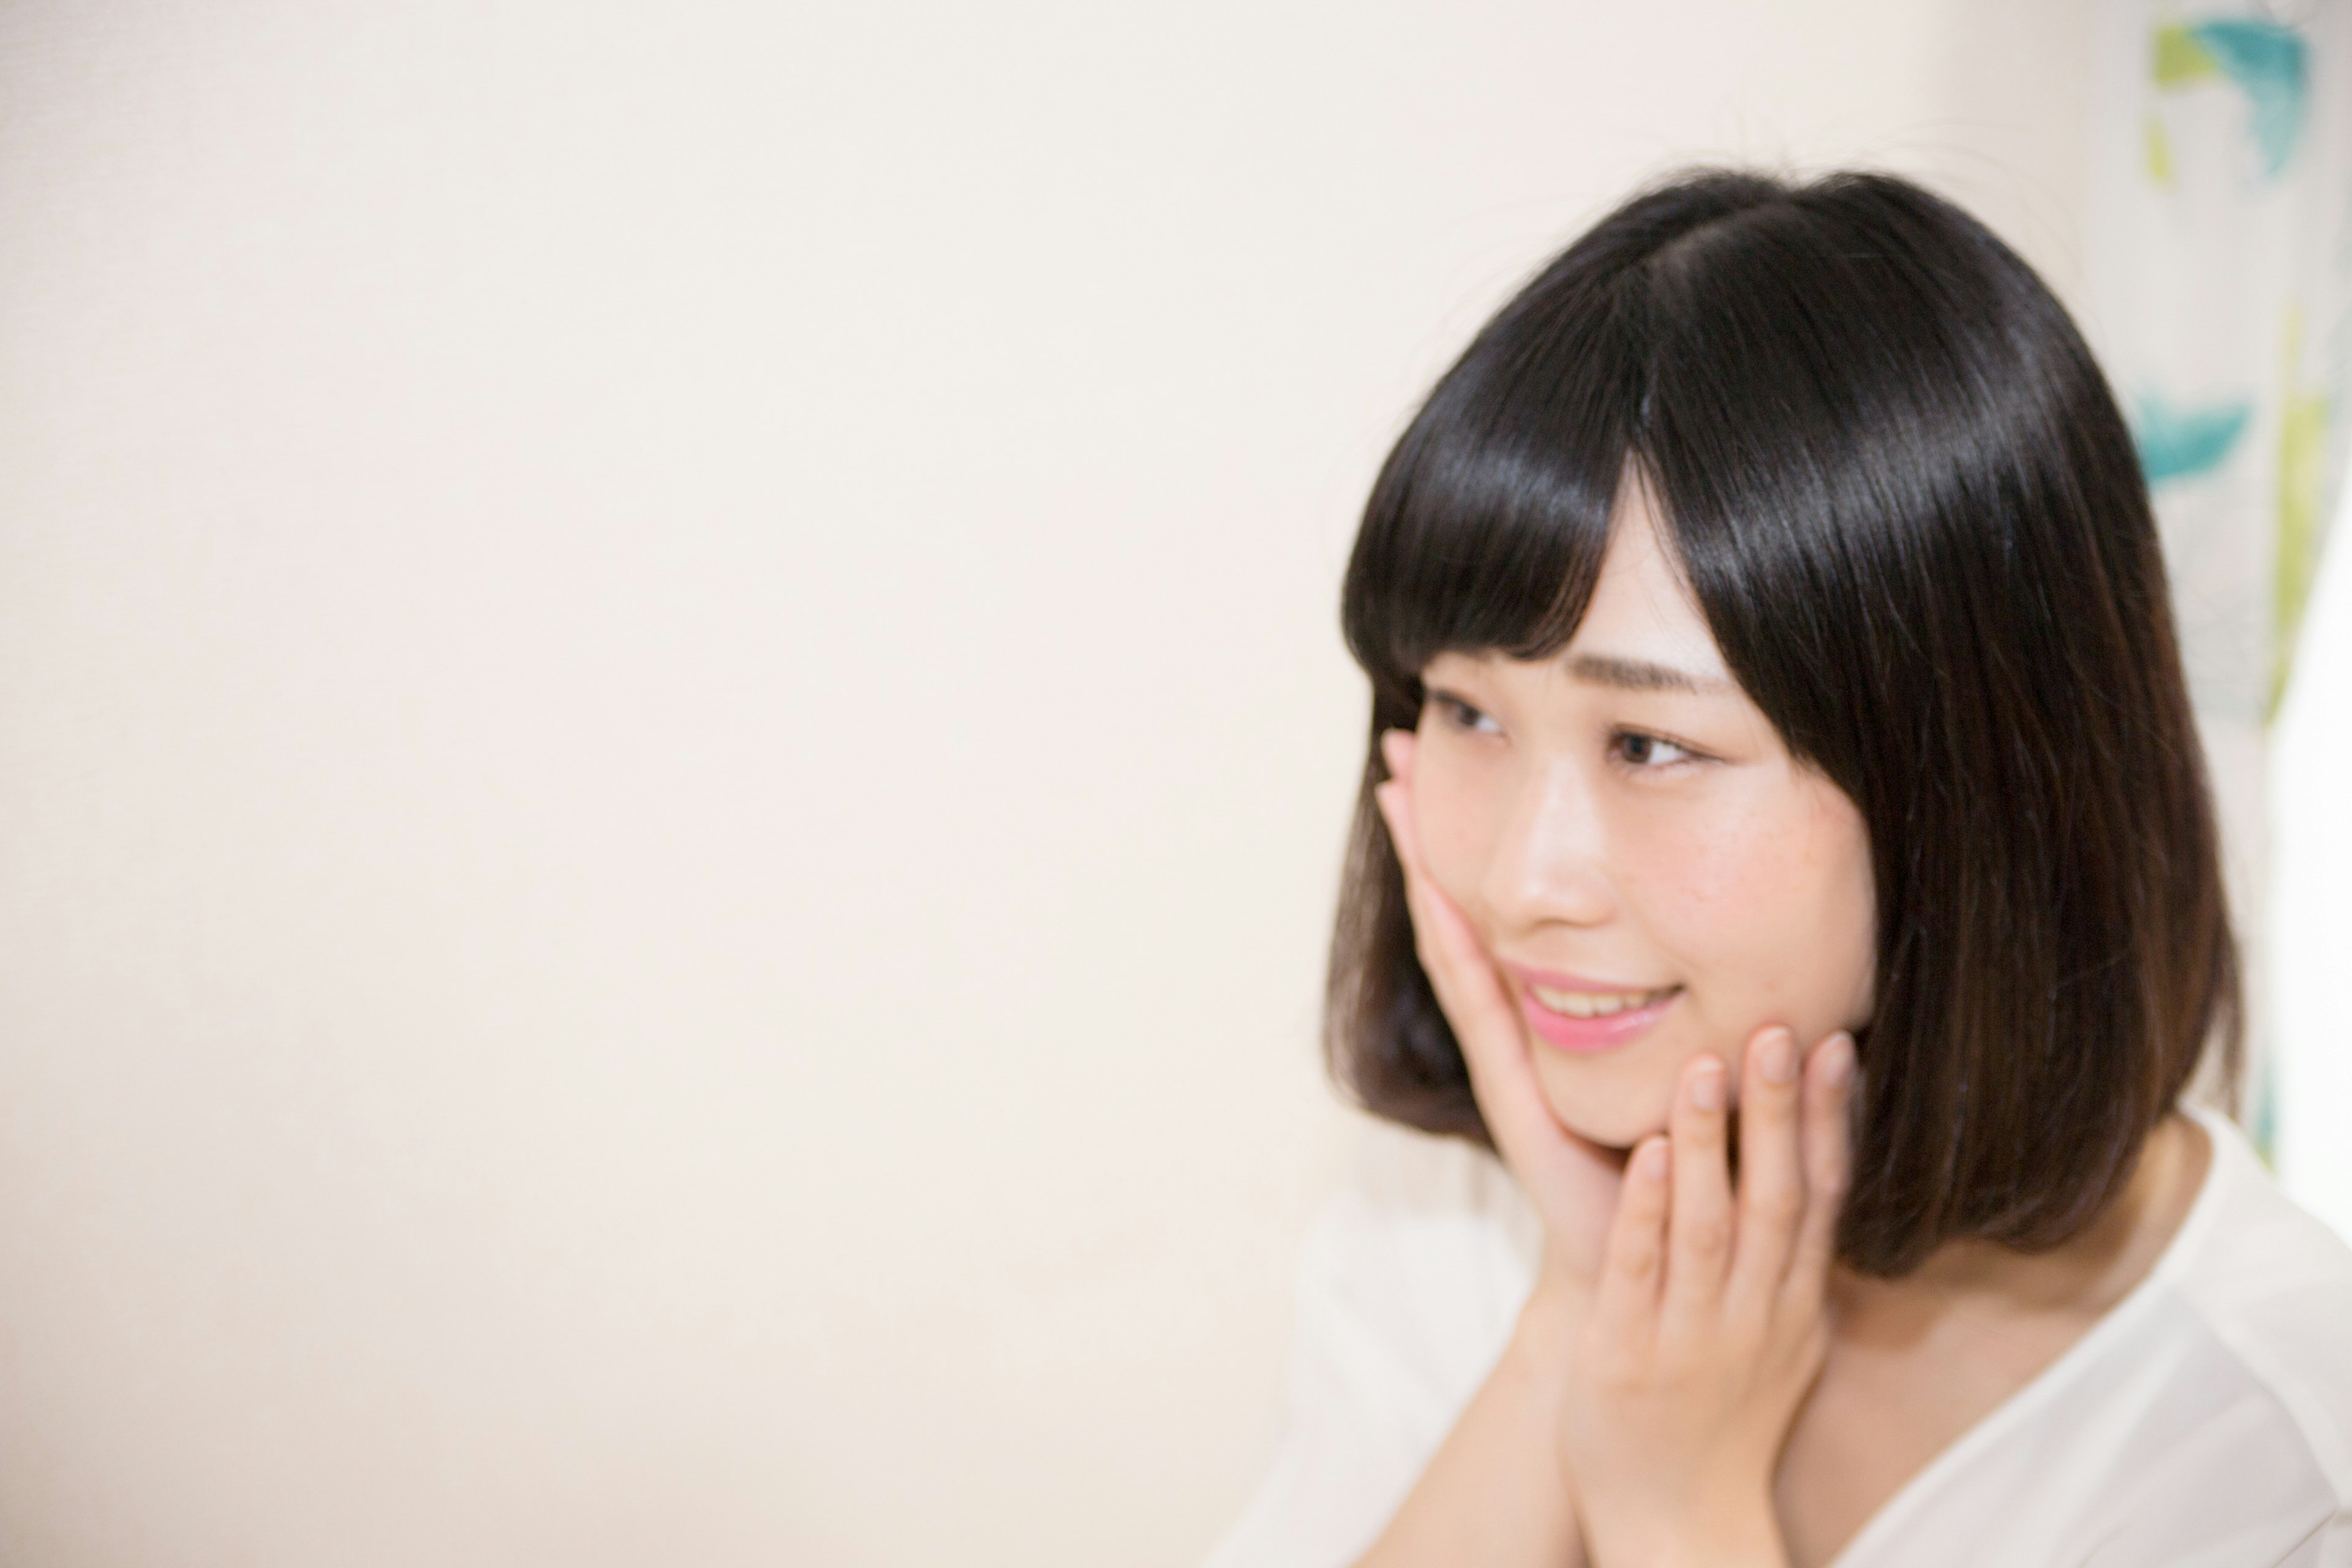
{"x": 1572, "y": 1181}
{"x": 1708, "y": 1326}
{"x": 1662, "y": 1427}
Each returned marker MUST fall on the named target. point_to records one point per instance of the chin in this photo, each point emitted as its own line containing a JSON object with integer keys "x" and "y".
{"x": 1614, "y": 1109}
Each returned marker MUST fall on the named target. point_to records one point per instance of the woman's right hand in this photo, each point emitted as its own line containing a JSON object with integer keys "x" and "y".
{"x": 1573, "y": 1182}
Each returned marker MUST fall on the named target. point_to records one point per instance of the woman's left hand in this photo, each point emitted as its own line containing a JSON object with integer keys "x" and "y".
{"x": 1708, "y": 1325}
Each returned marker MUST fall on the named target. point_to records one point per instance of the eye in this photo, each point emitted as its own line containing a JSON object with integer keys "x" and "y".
{"x": 1648, "y": 753}
{"x": 1458, "y": 714}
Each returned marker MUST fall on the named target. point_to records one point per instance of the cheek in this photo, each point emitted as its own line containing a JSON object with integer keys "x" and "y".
{"x": 1766, "y": 902}
{"x": 1454, "y": 811}
{"x": 1705, "y": 879}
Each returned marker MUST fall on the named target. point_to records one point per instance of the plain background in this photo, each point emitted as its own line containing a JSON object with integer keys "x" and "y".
{"x": 672, "y": 734}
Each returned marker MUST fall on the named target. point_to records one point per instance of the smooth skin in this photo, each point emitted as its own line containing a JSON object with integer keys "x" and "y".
{"x": 1624, "y": 811}
{"x": 1694, "y": 1378}
{"x": 1676, "y": 1324}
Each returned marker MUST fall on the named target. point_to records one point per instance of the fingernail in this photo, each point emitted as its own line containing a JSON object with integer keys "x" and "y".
{"x": 1706, "y": 1088}
{"x": 1652, "y": 1164}
{"x": 1838, "y": 1070}
{"x": 1776, "y": 1058}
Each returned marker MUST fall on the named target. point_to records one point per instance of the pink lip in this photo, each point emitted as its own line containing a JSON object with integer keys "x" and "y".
{"x": 1585, "y": 1036}
{"x": 1560, "y": 980}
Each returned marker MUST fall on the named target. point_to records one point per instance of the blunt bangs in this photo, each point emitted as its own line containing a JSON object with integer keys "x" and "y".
{"x": 1909, "y": 511}
{"x": 1493, "y": 513}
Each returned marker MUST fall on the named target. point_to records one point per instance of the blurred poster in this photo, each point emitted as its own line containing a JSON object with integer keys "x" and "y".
{"x": 2219, "y": 293}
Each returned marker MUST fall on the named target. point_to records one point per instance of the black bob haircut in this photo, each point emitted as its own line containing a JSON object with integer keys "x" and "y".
{"x": 1903, "y": 496}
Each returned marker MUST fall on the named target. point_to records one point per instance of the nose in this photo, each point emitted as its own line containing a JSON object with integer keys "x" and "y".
{"x": 1549, "y": 864}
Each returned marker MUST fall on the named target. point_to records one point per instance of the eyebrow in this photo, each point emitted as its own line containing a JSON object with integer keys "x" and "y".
{"x": 1641, "y": 675}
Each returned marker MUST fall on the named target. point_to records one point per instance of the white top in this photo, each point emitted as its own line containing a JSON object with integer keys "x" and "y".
{"x": 2205, "y": 1421}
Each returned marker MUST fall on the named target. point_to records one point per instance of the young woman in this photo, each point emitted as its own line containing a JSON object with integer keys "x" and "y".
{"x": 1785, "y": 867}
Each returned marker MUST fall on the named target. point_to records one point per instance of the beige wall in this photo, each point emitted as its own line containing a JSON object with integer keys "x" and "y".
{"x": 674, "y": 739}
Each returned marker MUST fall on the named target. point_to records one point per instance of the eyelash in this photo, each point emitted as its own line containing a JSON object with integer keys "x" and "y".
{"x": 1618, "y": 739}
{"x": 1455, "y": 709}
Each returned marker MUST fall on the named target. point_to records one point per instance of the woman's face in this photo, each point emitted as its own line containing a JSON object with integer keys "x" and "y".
{"x": 1631, "y": 839}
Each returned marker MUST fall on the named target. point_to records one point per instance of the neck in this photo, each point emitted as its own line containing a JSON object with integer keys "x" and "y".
{"x": 2086, "y": 1274}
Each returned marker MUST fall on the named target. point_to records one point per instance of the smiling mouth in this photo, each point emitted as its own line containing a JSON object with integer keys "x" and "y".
{"x": 1597, "y": 1003}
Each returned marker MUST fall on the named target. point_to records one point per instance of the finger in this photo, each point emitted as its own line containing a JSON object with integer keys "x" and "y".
{"x": 1828, "y": 1093}
{"x": 1473, "y": 998}
{"x": 1395, "y": 802}
{"x": 1396, "y": 798}
{"x": 1771, "y": 1196}
{"x": 1626, "y": 1303}
{"x": 1699, "y": 1243}
{"x": 1452, "y": 943}
{"x": 1449, "y": 946}
{"x": 1495, "y": 1051}
{"x": 1398, "y": 749}
{"x": 1482, "y": 1010}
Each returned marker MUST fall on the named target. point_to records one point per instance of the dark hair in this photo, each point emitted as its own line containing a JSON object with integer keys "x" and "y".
{"x": 1906, "y": 503}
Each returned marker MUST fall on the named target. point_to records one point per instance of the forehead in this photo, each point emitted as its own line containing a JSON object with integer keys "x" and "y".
{"x": 1641, "y": 608}
{"x": 1642, "y": 629}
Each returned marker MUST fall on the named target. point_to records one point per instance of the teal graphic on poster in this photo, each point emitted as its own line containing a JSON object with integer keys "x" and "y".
{"x": 2267, "y": 61}
{"x": 2218, "y": 278}
{"x": 2175, "y": 443}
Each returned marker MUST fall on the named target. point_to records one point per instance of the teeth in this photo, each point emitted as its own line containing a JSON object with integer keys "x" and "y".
{"x": 1596, "y": 1003}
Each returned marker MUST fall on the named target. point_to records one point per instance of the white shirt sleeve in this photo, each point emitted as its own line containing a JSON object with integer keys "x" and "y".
{"x": 2329, "y": 1546}
{"x": 2206, "y": 1421}
{"x": 1405, "y": 1295}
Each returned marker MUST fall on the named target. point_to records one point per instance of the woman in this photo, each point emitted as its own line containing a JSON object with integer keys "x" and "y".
{"x": 1784, "y": 846}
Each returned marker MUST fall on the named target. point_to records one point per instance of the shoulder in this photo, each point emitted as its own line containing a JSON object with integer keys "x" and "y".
{"x": 1406, "y": 1293}
{"x": 2207, "y": 1418}
{"x": 2274, "y": 1285}
{"x": 1425, "y": 1257}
